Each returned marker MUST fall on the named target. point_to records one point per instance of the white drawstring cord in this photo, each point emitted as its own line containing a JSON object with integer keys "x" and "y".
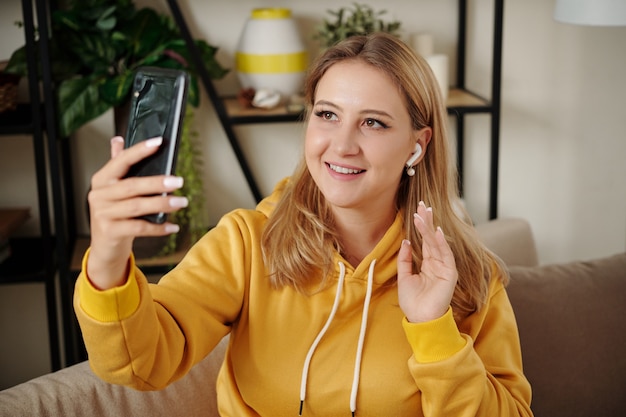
{"x": 307, "y": 361}
{"x": 359, "y": 352}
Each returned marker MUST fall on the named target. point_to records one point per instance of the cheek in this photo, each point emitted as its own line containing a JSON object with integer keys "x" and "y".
{"x": 314, "y": 143}
{"x": 390, "y": 155}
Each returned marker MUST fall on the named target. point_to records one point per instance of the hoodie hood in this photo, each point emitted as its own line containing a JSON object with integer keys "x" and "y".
{"x": 385, "y": 252}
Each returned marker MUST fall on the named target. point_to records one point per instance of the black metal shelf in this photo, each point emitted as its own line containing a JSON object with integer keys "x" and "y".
{"x": 34, "y": 259}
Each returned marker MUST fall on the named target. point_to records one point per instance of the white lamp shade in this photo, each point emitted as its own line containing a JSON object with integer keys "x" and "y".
{"x": 591, "y": 12}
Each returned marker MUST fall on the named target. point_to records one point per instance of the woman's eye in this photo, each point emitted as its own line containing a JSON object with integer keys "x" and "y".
{"x": 326, "y": 115}
{"x": 375, "y": 123}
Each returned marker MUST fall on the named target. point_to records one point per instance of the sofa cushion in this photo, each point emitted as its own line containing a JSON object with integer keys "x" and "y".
{"x": 77, "y": 392}
{"x": 511, "y": 238}
{"x": 573, "y": 335}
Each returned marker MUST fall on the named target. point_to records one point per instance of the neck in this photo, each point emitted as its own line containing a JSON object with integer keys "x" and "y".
{"x": 359, "y": 233}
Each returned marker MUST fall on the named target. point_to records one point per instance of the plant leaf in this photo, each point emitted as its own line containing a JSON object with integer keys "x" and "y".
{"x": 17, "y": 62}
{"x": 114, "y": 90}
{"x": 79, "y": 102}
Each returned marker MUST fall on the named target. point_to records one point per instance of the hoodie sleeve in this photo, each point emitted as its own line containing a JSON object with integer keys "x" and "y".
{"x": 477, "y": 368}
{"x": 148, "y": 335}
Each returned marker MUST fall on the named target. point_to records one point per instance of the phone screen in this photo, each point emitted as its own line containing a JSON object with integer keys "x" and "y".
{"x": 157, "y": 109}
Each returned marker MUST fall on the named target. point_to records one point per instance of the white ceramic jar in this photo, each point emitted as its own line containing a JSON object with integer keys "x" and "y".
{"x": 270, "y": 52}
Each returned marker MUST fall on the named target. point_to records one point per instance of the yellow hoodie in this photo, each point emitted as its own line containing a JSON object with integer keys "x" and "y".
{"x": 291, "y": 352}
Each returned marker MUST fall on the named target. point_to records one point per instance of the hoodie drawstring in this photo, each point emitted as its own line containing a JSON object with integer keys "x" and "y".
{"x": 359, "y": 354}
{"x": 359, "y": 351}
{"x": 307, "y": 361}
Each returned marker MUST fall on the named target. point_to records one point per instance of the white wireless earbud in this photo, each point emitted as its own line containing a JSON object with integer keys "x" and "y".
{"x": 409, "y": 164}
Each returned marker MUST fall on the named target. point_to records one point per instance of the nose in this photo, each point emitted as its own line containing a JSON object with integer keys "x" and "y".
{"x": 346, "y": 140}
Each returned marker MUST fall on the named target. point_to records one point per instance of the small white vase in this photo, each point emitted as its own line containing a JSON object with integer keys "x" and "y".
{"x": 270, "y": 52}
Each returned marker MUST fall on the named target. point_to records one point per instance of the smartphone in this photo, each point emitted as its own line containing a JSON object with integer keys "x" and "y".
{"x": 157, "y": 108}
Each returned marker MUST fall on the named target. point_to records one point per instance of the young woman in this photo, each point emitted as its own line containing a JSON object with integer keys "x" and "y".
{"x": 356, "y": 287}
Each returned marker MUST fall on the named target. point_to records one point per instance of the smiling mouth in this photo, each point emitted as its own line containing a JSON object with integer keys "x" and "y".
{"x": 343, "y": 170}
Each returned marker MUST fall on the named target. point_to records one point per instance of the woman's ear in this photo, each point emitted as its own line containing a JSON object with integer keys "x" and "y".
{"x": 422, "y": 139}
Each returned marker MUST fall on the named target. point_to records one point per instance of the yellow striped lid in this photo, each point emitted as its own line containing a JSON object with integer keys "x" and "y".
{"x": 271, "y": 13}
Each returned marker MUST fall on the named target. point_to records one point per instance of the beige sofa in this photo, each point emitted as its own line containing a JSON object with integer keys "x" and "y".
{"x": 571, "y": 327}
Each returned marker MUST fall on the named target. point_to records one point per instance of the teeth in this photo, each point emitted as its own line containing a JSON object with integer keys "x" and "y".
{"x": 343, "y": 170}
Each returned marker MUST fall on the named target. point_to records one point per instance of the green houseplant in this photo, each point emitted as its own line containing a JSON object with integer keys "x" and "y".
{"x": 96, "y": 47}
{"x": 359, "y": 19}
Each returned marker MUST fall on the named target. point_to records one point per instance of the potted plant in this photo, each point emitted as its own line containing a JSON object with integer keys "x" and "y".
{"x": 360, "y": 19}
{"x": 96, "y": 47}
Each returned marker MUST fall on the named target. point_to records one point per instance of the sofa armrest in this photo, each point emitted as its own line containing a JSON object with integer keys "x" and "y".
{"x": 77, "y": 391}
{"x": 511, "y": 239}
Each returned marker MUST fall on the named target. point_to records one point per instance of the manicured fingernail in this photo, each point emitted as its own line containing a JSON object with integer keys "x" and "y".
{"x": 421, "y": 203}
{"x": 406, "y": 242}
{"x": 117, "y": 139}
{"x": 172, "y": 228}
{"x": 179, "y": 201}
{"x": 429, "y": 209}
{"x": 439, "y": 229}
{"x": 154, "y": 142}
{"x": 173, "y": 182}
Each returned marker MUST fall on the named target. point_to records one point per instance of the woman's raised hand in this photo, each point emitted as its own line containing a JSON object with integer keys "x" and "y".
{"x": 426, "y": 295}
{"x": 115, "y": 203}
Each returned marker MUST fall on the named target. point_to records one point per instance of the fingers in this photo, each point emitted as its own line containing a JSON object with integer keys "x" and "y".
{"x": 426, "y": 295}
{"x": 130, "y": 228}
{"x": 136, "y": 186}
{"x": 117, "y": 146}
{"x": 135, "y": 197}
{"x": 116, "y": 202}
{"x": 405, "y": 260}
{"x": 434, "y": 240}
{"x": 122, "y": 159}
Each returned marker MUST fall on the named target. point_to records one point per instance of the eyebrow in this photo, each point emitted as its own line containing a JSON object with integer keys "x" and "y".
{"x": 366, "y": 111}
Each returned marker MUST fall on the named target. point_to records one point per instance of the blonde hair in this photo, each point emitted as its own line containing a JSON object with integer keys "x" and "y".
{"x": 298, "y": 241}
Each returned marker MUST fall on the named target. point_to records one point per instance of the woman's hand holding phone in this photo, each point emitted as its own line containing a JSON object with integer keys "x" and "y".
{"x": 116, "y": 202}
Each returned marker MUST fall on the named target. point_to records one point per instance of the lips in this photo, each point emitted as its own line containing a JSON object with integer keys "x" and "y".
{"x": 344, "y": 170}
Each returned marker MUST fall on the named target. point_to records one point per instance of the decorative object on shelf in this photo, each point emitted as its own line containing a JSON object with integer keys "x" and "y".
{"x": 245, "y": 97}
{"x": 270, "y": 52}
{"x": 8, "y": 89}
{"x": 423, "y": 44}
{"x": 594, "y": 13}
{"x": 97, "y": 47}
{"x": 439, "y": 64}
{"x": 266, "y": 98}
{"x": 360, "y": 19}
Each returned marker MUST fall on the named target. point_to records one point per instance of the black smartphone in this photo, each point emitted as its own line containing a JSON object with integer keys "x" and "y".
{"x": 157, "y": 108}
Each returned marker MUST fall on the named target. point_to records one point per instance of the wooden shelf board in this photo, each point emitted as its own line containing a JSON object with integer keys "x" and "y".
{"x": 234, "y": 109}
{"x": 457, "y": 98}
{"x": 463, "y": 98}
